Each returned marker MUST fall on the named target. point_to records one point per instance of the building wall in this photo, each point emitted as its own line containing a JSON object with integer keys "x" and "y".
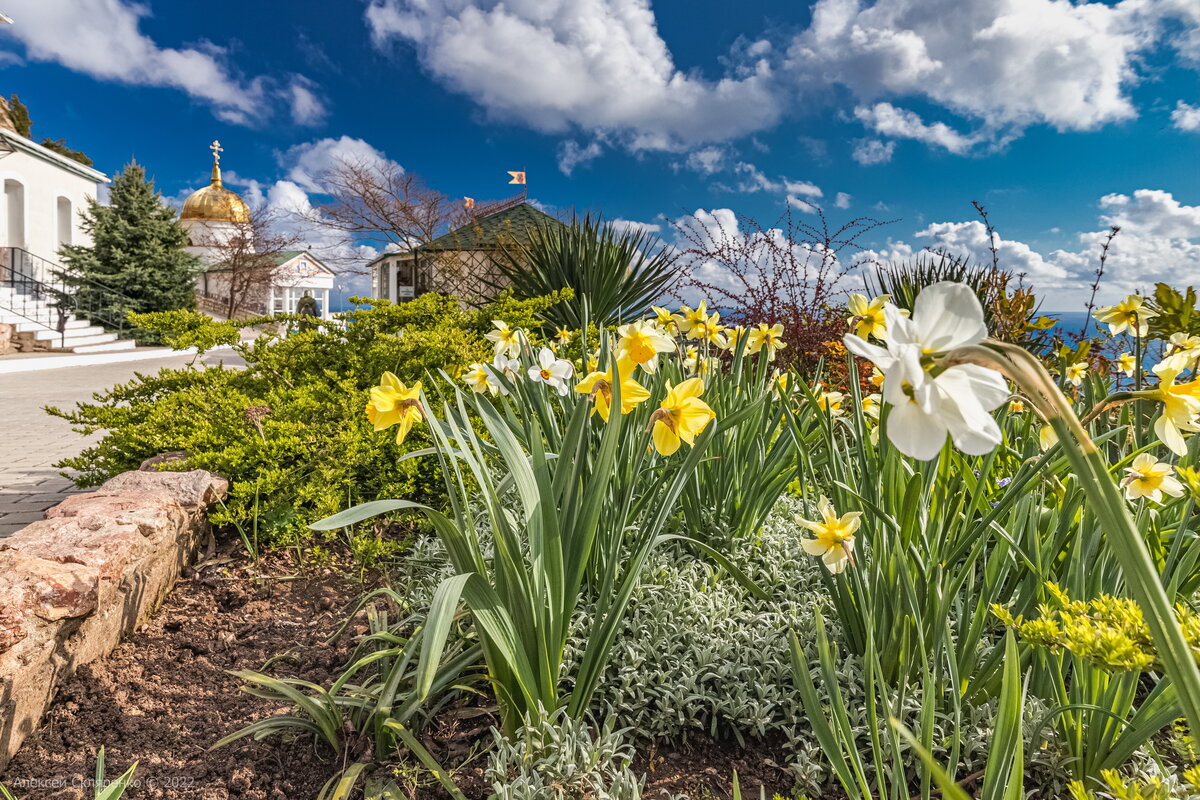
{"x": 207, "y": 238}
{"x": 40, "y": 203}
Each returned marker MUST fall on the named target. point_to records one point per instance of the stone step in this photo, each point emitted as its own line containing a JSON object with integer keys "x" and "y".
{"x": 84, "y": 332}
{"x": 116, "y": 344}
{"x": 75, "y": 342}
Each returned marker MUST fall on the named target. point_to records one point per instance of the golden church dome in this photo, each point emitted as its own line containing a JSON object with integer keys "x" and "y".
{"x": 215, "y": 203}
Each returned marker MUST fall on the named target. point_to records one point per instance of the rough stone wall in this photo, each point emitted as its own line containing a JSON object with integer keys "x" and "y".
{"x": 74, "y": 583}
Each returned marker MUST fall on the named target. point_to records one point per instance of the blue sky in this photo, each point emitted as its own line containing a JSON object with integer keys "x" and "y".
{"x": 1061, "y": 117}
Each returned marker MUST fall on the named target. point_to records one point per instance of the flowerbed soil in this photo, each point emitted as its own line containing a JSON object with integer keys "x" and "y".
{"x": 164, "y": 696}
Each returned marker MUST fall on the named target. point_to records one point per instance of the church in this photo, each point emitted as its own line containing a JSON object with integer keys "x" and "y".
{"x": 218, "y": 224}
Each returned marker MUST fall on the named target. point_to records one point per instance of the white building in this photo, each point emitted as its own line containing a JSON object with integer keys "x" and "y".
{"x": 217, "y": 220}
{"x": 43, "y": 193}
{"x": 296, "y": 272}
{"x": 41, "y": 196}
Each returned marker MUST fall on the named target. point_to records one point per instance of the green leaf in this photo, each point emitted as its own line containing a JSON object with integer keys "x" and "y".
{"x": 363, "y": 511}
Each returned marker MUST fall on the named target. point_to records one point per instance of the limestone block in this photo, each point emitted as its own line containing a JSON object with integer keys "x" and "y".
{"x": 72, "y": 585}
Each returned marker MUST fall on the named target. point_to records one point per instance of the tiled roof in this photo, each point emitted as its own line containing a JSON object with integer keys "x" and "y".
{"x": 515, "y": 224}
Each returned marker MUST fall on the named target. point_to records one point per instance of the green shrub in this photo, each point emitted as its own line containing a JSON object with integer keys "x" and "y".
{"x": 289, "y": 430}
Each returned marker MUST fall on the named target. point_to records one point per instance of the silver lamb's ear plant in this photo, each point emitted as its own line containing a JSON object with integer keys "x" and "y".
{"x": 1141, "y": 575}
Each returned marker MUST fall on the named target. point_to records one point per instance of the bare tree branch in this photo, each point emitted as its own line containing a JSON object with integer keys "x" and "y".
{"x": 379, "y": 202}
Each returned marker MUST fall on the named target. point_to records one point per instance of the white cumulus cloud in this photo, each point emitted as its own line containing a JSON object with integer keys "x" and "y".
{"x": 1186, "y": 117}
{"x": 102, "y": 38}
{"x": 1159, "y": 240}
{"x": 596, "y": 65}
{"x": 872, "y": 151}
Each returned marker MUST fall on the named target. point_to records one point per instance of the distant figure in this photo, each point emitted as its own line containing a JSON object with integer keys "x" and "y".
{"x": 306, "y": 307}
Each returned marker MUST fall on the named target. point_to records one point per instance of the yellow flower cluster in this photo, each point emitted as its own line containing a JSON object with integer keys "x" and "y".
{"x": 1107, "y": 631}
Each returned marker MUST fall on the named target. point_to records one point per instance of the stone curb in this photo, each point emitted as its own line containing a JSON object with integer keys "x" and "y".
{"x": 72, "y": 585}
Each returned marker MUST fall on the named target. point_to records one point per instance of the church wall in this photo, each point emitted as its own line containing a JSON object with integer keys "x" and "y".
{"x": 35, "y": 194}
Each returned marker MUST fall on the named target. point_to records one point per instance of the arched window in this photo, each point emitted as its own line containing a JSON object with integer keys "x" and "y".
{"x": 64, "y": 221}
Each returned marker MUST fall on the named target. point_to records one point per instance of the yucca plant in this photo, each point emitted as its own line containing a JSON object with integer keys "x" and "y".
{"x": 615, "y": 274}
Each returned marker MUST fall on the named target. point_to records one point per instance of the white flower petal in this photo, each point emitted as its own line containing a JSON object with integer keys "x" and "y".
{"x": 901, "y": 329}
{"x": 987, "y": 386}
{"x": 915, "y": 433}
{"x": 948, "y": 315}
{"x": 877, "y": 355}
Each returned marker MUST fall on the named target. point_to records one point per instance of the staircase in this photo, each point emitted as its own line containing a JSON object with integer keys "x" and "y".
{"x": 49, "y": 315}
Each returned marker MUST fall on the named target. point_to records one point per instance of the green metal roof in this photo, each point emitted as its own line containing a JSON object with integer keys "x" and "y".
{"x": 515, "y": 224}
{"x": 284, "y": 256}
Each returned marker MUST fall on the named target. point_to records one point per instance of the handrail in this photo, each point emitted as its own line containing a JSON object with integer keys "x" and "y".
{"x": 40, "y": 294}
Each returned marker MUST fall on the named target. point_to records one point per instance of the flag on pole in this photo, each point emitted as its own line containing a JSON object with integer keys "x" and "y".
{"x": 517, "y": 177}
{"x": 468, "y": 202}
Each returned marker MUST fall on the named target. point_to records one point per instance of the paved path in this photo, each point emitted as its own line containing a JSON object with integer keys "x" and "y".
{"x": 31, "y": 440}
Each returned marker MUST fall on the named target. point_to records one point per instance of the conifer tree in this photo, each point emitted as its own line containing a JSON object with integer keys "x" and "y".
{"x": 137, "y": 250}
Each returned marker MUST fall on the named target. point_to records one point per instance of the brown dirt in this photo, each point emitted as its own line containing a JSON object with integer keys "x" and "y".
{"x": 703, "y": 768}
{"x": 164, "y": 695}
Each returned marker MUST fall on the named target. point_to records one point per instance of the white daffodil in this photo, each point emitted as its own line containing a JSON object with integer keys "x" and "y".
{"x": 551, "y": 371}
{"x": 1150, "y": 478}
{"x": 833, "y": 536}
{"x": 928, "y": 402}
{"x": 1131, "y": 314}
{"x": 508, "y": 367}
{"x": 479, "y": 379}
{"x": 505, "y": 340}
{"x": 1075, "y": 373}
{"x": 1182, "y": 353}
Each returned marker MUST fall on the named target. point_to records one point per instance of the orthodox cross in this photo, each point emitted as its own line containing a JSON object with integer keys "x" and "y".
{"x": 216, "y": 151}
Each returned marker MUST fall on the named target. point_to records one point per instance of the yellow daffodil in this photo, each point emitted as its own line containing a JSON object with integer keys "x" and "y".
{"x": 1127, "y": 364}
{"x": 687, "y": 317}
{"x": 708, "y": 330}
{"x": 664, "y": 318}
{"x": 833, "y": 536}
{"x": 766, "y": 337}
{"x": 876, "y": 378}
{"x": 1150, "y": 478}
{"x": 1129, "y": 314}
{"x": 1076, "y": 373}
{"x": 831, "y": 403}
{"x": 866, "y": 316}
{"x": 1047, "y": 438}
{"x": 505, "y": 340}
{"x": 1181, "y": 406}
{"x": 1016, "y": 406}
{"x": 780, "y": 383}
{"x": 563, "y": 336}
{"x": 641, "y": 342}
{"x": 733, "y": 336}
{"x": 681, "y": 417}
{"x": 393, "y": 403}
{"x": 1191, "y": 477}
{"x": 478, "y": 378}
{"x": 599, "y": 385}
